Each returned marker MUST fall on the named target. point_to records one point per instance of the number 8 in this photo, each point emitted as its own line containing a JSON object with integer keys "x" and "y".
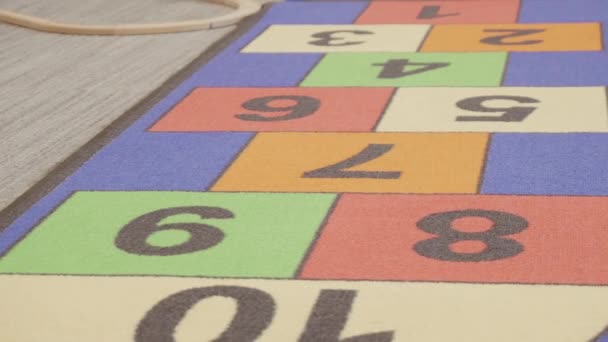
{"x": 497, "y": 247}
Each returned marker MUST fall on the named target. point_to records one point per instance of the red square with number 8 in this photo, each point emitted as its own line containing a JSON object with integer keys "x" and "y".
{"x": 464, "y": 238}
{"x": 277, "y": 109}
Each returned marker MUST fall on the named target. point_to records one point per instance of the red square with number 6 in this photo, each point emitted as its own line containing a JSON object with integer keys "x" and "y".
{"x": 464, "y": 238}
{"x": 277, "y": 109}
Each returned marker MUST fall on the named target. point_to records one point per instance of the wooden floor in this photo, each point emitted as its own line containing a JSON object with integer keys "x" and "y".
{"x": 58, "y": 91}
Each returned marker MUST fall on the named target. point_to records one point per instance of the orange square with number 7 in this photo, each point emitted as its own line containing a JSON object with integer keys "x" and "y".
{"x": 464, "y": 238}
{"x": 277, "y": 109}
{"x": 358, "y": 162}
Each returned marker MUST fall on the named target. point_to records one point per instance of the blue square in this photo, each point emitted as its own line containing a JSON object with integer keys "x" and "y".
{"x": 160, "y": 161}
{"x": 560, "y": 68}
{"x": 557, "y": 69}
{"x": 535, "y": 11}
{"x": 547, "y": 164}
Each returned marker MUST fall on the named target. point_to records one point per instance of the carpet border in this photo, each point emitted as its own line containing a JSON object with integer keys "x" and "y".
{"x": 74, "y": 161}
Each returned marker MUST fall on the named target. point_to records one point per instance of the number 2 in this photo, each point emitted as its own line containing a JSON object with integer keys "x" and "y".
{"x": 510, "y": 33}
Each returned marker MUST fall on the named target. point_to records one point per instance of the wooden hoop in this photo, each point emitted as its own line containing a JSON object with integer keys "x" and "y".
{"x": 243, "y": 8}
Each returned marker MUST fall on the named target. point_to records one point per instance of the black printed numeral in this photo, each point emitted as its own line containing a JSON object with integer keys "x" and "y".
{"x": 329, "y": 316}
{"x": 497, "y": 246}
{"x": 510, "y": 114}
{"x": 133, "y": 237}
{"x": 254, "y": 313}
{"x": 338, "y": 170}
{"x": 255, "y": 310}
{"x": 432, "y": 12}
{"x": 511, "y": 33}
{"x": 396, "y": 68}
{"x": 330, "y": 38}
{"x": 302, "y": 106}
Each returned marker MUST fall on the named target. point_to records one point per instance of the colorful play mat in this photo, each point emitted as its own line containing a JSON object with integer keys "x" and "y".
{"x": 356, "y": 171}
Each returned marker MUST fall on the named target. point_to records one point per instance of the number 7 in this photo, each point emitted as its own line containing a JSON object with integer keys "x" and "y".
{"x": 337, "y": 170}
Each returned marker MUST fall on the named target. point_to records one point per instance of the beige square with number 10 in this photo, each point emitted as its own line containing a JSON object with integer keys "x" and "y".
{"x": 339, "y": 38}
{"x": 152, "y": 309}
{"x": 503, "y": 109}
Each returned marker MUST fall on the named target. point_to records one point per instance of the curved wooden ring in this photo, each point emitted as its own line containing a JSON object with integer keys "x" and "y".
{"x": 243, "y": 8}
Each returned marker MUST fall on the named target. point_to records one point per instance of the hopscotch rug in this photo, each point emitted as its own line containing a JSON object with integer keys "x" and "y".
{"x": 369, "y": 171}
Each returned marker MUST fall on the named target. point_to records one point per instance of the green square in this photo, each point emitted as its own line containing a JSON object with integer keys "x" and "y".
{"x": 361, "y": 69}
{"x": 267, "y": 236}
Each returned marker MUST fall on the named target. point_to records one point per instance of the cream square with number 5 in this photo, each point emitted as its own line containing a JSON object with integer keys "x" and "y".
{"x": 497, "y": 109}
{"x": 339, "y": 38}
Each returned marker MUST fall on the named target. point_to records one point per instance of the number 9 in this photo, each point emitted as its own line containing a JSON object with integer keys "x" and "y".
{"x": 303, "y": 106}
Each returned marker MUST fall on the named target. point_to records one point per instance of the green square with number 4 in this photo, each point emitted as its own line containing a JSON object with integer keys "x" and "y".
{"x": 408, "y": 70}
{"x": 173, "y": 233}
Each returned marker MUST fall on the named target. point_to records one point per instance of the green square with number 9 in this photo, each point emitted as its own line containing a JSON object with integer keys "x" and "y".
{"x": 173, "y": 233}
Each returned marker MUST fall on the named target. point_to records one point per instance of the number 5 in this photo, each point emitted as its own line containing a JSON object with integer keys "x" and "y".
{"x": 511, "y": 114}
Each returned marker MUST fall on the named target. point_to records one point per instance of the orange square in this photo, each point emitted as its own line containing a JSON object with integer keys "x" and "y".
{"x": 277, "y": 109}
{"x": 528, "y": 239}
{"x": 358, "y": 162}
{"x": 439, "y": 12}
{"x": 514, "y": 37}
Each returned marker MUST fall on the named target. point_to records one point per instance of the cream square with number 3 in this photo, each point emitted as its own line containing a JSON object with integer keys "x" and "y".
{"x": 339, "y": 38}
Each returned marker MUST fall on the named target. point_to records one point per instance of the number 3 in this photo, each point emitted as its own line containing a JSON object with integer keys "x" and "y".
{"x": 326, "y": 38}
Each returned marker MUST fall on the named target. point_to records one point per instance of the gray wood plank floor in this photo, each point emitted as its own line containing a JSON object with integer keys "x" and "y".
{"x": 58, "y": 91}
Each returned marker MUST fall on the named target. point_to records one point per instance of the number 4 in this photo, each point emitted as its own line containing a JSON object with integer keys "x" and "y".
{"x": 396, "y": 68}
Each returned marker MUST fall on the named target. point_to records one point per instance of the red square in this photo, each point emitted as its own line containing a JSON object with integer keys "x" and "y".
{"x": 440, "y": 12}
{"x": 277, "y": 109}
{"x": 548, "y": 240}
